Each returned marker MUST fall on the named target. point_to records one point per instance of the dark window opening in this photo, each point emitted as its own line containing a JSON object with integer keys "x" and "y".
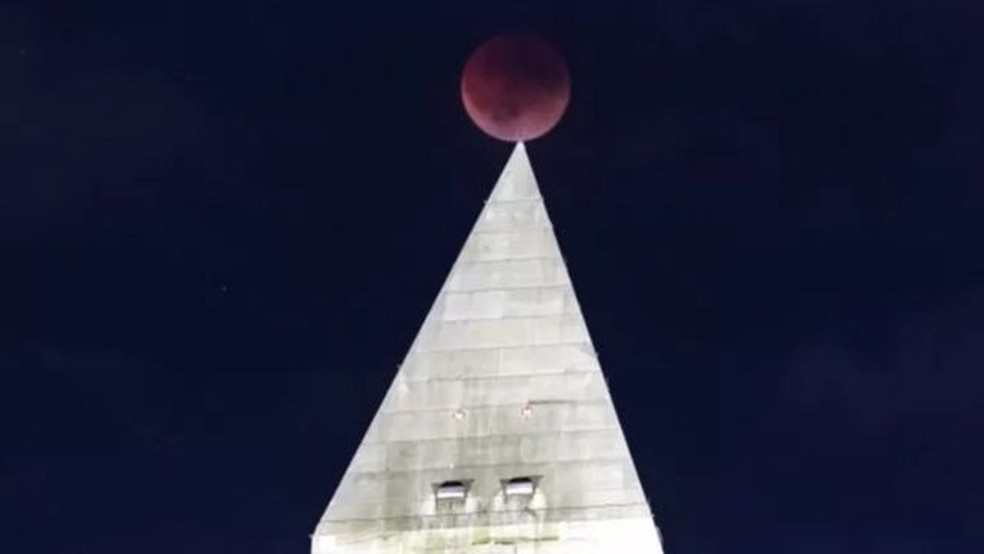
{"x": 451, "y": 490}
{"x": 520, "y": 486}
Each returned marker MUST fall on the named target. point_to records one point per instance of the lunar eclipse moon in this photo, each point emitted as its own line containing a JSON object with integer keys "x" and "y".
{"x": 515, "y": 88}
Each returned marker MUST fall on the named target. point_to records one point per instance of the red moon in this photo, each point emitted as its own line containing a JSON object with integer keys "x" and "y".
{"x": 515, "y": 88}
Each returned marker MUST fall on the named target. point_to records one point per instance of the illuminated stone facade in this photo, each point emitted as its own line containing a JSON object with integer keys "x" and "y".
{"x": 498, "y": 434}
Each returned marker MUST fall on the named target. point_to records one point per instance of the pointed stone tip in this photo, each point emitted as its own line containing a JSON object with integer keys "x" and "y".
{"x": 516, "y": 182}
{"x": 519, "y": 149}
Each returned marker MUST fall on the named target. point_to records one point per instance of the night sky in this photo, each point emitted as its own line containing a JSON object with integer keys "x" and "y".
{"x": 221, "y": 224}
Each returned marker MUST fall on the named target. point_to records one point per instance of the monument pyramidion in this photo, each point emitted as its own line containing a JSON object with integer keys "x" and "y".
{"x": 498, "y": 434}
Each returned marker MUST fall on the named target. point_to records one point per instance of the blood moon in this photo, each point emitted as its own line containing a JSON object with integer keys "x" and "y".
{"x": 515, "y": 87}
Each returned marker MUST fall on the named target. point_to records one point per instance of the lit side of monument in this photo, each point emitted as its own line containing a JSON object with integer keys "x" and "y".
{"x": 498, "y": 434}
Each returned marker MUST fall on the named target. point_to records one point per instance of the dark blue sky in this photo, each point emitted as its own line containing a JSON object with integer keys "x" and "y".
{"x": 771, "y": 209}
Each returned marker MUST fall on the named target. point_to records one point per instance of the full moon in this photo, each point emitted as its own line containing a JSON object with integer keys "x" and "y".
{"x": 515, "y": 88}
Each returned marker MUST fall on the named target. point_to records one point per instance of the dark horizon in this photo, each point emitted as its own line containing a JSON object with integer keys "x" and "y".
{"x": 771, "y": 213}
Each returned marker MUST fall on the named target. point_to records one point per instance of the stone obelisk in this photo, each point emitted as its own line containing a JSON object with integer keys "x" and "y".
{"x": 498, "y": 434}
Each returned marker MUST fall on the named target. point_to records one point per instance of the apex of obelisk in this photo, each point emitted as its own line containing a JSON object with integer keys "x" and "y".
{"x": 517, "y": 181}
